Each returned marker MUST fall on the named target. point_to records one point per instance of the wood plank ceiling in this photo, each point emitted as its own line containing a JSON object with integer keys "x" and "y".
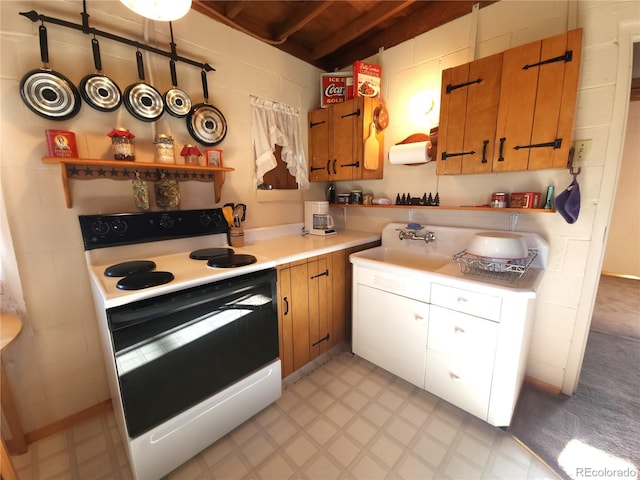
{"x": 333, "y": 34}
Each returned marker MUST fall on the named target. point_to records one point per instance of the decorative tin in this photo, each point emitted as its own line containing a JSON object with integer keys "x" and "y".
{"x": 499, "y": 200}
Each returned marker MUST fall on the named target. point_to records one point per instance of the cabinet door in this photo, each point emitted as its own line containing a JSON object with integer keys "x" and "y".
{"x": 391, "y": 332}
{"x": 470, "y": 96}
{"x": 347, "y": 128}
{"x": 537, "y": 103}
{"x": 348, "y": 274}
{"x": 319, "y": 145}
{"x": 453, "y": 115}
{"x": 482, "y": 114}
{"x": 556, "y": 100}
{"x": 285, "y": 319}
{"x": 320, "y": 306}
{"x": 299, "y": 306}
{"x": 338, "y": 297}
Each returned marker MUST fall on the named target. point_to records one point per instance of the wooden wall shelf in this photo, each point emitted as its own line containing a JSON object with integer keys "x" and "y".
{"x": 91, "y": 169}
{"x": 468, "y": 208}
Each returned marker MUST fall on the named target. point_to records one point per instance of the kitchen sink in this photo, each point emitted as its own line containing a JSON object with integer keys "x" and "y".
{"x": 404, "y": 257}
{"x": 429, "y": 250}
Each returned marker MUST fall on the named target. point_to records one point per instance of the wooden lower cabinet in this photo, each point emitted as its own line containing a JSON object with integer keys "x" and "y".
{"x": 311, "y": 308}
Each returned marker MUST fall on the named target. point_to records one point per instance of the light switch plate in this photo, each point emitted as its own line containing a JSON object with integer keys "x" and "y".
{"x": 581, "y": 150}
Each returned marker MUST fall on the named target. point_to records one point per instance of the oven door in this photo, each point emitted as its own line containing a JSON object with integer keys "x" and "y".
{"x": 176, "y": 350}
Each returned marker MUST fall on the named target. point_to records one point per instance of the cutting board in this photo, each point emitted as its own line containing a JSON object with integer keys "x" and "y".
{"x": 371, "y": 149}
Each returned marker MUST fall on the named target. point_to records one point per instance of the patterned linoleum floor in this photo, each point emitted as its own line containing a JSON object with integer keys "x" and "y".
{"x": 344, "y": 419}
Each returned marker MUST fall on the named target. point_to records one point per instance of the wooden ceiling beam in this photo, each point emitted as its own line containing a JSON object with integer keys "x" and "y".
{"x": 233, "y": 10}
{"x": 301, "y": 18}
{"x": 363, "y": 24}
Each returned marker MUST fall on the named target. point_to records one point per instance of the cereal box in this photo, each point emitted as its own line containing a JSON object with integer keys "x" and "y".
{"x": 333, "y": 88}
{"x": 61, "y": 143}
{"x": 366, "y": 79}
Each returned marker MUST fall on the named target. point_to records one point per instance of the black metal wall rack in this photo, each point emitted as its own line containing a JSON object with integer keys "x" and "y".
{"x": 88, "y": 30}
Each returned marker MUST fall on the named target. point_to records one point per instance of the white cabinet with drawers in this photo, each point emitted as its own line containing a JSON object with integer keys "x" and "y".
{"x": 468, "y": 340}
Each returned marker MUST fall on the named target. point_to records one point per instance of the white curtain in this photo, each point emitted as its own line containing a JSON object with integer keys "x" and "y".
{"x": 274, "y": 123}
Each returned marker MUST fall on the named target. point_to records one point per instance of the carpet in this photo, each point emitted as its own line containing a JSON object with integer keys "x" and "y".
{"x": 597, "y": 430}
{"x": 617, "y": 307}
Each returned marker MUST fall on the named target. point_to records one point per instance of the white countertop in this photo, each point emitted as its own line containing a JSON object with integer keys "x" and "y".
{"x": 271, "y": 246}
{"x": 293, "y": 247}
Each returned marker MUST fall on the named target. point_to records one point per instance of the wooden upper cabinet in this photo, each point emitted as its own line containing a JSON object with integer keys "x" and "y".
{"x": 319, "y": 145}
{"x": 511, "y": 111}
{"x": 347, "y": 128}
{"x": 537, "y": 103}
{"x": 342, "y": 144}
{"x": 469, "y": 108}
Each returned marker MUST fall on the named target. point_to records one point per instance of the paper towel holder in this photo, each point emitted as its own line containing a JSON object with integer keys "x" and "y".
{"x": 432, "y": 146}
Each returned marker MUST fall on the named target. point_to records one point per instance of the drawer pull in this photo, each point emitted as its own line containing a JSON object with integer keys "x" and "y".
{"x": 461, "y": 300}
{"x": 458, "y": 329}
{"x": 418, "y": 317}
{"x": 454, "y": 376}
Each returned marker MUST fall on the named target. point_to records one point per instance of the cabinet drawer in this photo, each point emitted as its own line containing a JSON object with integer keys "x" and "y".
{"x": 466, "y": 301}
{"x": 417, "y": 289}
{"x": 462, "y": 337}
{"x": 459, "y": 383}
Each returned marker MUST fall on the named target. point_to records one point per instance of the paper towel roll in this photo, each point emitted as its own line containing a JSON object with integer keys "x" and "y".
{"x": 407, "y": 153}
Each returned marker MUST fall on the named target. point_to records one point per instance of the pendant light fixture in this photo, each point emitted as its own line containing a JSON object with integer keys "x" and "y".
{"x": 162, "y": 10}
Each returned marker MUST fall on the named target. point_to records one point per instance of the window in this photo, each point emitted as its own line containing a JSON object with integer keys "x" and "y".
{"x": 277, "y": 144}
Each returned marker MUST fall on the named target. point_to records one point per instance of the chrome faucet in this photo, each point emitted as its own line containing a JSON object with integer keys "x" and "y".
{"x": 409, "y": 234}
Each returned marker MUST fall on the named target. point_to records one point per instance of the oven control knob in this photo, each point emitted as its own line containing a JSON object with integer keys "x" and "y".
{"x": 166, "y": 221}
{"x": 119, "y": 226}
{"x": 99, "y": 227}
{"x": 204, "y": 219}
{"x": 217, "y": 218}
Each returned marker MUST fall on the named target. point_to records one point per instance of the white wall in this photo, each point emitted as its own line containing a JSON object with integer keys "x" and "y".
{"x": 622, "y": 255}
{"x": 56, "y": 366}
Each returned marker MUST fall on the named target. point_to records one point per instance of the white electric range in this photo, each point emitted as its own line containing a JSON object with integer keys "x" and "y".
{"x": 190, "y": 344}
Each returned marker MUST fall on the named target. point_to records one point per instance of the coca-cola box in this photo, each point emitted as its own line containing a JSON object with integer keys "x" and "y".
{"x": 366, "y": 79}
{"x": 335, "y": 88}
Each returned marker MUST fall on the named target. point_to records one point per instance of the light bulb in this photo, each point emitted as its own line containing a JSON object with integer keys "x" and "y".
{"x": 162, "y": 10}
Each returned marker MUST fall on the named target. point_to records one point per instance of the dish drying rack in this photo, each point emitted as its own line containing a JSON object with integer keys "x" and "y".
{"x": 509, "y": 270}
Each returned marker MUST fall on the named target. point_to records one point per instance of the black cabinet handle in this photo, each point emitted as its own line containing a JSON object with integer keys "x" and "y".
{"x": 328, "y": 165}
{"x": 334, "y": 166}
{"x": 356, "y": 113}
{"x": 323, "y": 274}
{"x": 501, "y": 156}
{"x": 446, "y": 155}
{"x": 315, "y": 124}
{"x": 323, "y": 339}
{"x": 567, "y": 57}
{"x": 451, "y": 88}
{"x": 484, "y": 151}
{"x": 557, "y": 143}
{"x": 313, "y": 169}
{"x": 354, "y": 164}
{"x": 286, "y": 306}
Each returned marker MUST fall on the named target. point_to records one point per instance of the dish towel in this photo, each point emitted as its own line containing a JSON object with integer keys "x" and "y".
{"x": 568, "y": 202}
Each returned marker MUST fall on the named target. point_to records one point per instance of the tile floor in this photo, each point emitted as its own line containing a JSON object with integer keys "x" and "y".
{"x": 343, "y": 419}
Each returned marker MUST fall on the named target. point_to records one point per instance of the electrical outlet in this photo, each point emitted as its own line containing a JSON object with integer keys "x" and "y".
{"x": 581, "y": 149}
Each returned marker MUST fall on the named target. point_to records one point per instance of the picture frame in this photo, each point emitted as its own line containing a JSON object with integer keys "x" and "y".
{"x": 214, "y": 157}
